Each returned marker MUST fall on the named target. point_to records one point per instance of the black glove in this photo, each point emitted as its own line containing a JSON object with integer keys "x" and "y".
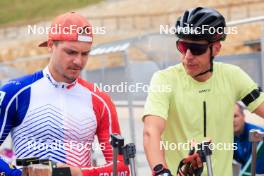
{"x": 160, "y": 170}
{"x": 191, "y": 165}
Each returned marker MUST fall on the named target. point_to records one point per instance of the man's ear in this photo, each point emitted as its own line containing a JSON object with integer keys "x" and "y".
{"x": 216, "y": 48}
{"x": 50, "y": 45}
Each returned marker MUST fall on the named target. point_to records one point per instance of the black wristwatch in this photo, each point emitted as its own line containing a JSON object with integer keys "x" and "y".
{"x": 159, "y": 169}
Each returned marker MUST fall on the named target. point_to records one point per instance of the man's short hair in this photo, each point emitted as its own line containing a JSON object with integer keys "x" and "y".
{"x": 56, "y": 42}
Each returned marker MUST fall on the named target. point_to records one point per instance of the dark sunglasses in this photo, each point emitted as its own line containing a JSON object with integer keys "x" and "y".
{"x": 195, "y": 48}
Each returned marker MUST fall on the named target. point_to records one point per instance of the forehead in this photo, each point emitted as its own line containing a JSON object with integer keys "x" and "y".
{"x": 75, "y": 45}
{"x": 192, "y": 41}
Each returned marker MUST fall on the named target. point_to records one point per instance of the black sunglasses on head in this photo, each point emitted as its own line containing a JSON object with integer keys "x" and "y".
{"x": 195, "y": 48}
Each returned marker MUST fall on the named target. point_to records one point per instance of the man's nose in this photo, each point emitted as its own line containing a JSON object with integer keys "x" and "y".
{"x": 188, "y": 54}
{"x": 78, "y": 60}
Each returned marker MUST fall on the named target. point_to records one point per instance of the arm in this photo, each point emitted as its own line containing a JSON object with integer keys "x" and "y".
{"x": 153, "y": 129}
{"x": 155, "y": 115}
{"x": 260, "y": 110}
{"x": 9, "y": 103}
{"x": 7, "y": 113}
{"x": 107, "y": 123}
{"x": 248, "y": 92}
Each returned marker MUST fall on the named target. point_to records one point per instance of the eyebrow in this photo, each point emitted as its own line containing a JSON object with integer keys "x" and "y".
{"x": 74, "y": 51}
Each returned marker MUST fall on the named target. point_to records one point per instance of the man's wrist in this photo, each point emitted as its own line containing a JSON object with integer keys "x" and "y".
{"x": 160, "y": 170}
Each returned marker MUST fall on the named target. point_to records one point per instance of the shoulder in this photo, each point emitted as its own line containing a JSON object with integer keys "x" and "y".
{"x": 18, "y": 85}
{"x": 95, "y": 90}
{"x": 21, "y": 82}
{"x": 101, "y": 101}
{"x": 250, "y": 126}
{"x": 230, "y": 72}
{"x": 178, "y": 68}
{"x": 225, "y": 67}
{"x": 169, "y": 73}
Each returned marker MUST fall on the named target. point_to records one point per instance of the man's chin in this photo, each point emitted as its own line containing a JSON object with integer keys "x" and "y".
{"x": 71, "y": 78}
{"x": 74, "y": 74}
{"x": 191, "y": 73}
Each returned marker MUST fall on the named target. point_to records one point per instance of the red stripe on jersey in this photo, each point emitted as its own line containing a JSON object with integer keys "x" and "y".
{"x": 106, "y": 116}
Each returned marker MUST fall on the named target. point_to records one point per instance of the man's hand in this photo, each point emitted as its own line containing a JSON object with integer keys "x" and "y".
{"x": 75, "y": 171}
{"x": 38, "y": 170}
{"x": 195, "y": 160}
{"x": 160, "y": 170}
{"x": 190, "y": 165}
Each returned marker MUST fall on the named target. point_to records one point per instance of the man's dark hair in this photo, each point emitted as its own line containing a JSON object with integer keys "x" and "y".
{"x": 56, "y": 42}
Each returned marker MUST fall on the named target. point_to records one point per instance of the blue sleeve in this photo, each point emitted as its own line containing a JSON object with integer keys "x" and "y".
{"x": 8, "y": 109}
{"x": 5, "y": 168}
{"x": 14, "y": 102}
{"x": 243, "y": 151}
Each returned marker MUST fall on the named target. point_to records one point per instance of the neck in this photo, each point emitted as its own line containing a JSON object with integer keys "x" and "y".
{"x": 204, "y": 77}
{"x": 57, "y": 76}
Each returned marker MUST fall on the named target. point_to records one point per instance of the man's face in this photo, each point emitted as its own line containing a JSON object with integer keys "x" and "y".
{"x": 195, "y": 64}
{"x": 239, "y": 121}
{"x": 68, "y": 59}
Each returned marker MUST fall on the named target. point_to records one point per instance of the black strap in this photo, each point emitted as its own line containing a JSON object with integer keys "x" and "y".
{"x": 211, "y": 64}
{"x": 252, "y": 96}
{"x": 204, "y": 111}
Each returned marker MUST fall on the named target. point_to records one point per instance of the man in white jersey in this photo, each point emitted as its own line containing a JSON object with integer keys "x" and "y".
{"x": 200, "y": 104}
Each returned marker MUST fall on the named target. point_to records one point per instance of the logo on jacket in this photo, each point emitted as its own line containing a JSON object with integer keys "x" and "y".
{"x": 2, "y": 95}
{"x": 204, "y": 90}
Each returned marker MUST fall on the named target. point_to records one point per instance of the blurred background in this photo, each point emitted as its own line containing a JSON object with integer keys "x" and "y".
{"x": 128, "y": 47}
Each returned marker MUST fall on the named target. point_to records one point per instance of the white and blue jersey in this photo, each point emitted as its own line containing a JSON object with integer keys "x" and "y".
{"x": 54, "y": 120}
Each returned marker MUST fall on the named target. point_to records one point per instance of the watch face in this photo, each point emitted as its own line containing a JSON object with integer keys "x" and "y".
{"x": 158, "y": 168}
